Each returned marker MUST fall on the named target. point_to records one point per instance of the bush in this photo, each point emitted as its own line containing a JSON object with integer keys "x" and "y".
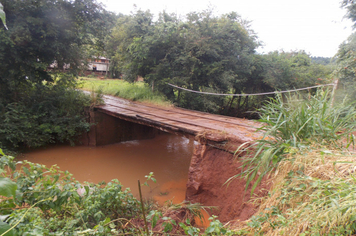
{"x": 47, "y": 201}
{"x": 44, "y": 114}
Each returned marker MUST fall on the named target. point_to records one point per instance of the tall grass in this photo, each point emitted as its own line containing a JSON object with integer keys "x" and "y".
{"x": 313, "y": 193}
{"x": 296, "y": 122}
{"x": 138, "y": 91}
{"x": 313, "y": 187}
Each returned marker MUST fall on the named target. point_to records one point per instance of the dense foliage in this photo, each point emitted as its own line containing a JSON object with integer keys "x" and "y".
{"x": 204, "y": 52}
{"x": 296, "y": 122}
{"x": 346, "y": 57}
{"x": 346, "y": 61}
{"x": 285, "y": 71}
{"x": 323, "y": 60}
{"x": 59, "y": 206}
{"x": 43, "y": 114}
{"x": 39, "y": 105}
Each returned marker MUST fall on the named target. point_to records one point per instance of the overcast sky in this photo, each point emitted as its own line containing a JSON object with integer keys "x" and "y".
{"x": 316, "y": 26}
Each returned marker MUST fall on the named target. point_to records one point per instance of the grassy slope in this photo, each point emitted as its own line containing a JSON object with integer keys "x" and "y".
{"x": 313, "y": 187}
{"x": 313, "y": 193}
{"x": 137, "y": 91}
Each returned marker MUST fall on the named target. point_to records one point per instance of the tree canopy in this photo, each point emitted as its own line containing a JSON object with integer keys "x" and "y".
{"x": 346, "y": 56}
{"x": 38, "y": 105}
{"x": 204, "y": 52}
{"x": 43, "y": 32}
{"x": 286, "y": 70}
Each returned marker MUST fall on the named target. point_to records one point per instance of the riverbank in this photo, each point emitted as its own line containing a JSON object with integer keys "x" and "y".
{"x": 305, "y": 180}
{"x": 312, "y": 193}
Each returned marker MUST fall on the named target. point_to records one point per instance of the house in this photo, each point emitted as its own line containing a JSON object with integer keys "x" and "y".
{"x": 96, "y": 65}
{"x": 99, "y": 65}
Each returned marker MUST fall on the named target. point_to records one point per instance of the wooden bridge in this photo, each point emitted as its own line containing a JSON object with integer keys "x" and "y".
{"x": 219, "y": 131}
{"x": 212, "y": 163}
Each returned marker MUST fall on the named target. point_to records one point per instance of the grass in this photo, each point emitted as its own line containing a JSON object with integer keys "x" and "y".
{"x": 138, "y": 91}
{"x": 305, "y": 154}
{"x": 295, "y": 122}
{"x": 312, "y": 193}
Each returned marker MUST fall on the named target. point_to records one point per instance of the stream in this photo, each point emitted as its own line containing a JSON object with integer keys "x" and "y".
{"x": 167, "y": 155}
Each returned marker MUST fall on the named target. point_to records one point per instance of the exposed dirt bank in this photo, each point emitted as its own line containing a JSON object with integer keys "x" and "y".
{"x": 209, "y": 170}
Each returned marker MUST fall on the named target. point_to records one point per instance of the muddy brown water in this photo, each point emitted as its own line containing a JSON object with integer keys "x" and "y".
{"x": 167, "y": 155}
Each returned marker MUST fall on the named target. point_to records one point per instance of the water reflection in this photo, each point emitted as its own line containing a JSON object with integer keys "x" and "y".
{"x": 168, "y": 156}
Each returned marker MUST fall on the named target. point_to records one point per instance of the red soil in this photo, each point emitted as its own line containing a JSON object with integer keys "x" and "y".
{"x": 209, "y": 170}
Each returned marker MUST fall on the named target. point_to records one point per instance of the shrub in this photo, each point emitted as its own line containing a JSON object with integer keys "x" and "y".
{"x": 44, "y": 114}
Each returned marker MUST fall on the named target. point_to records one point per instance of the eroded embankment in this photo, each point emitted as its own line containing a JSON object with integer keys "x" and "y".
{"x": 209, "y": 170}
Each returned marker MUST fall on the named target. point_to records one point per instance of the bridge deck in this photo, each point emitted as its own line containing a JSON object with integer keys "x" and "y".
{"x": 215, "y": 128}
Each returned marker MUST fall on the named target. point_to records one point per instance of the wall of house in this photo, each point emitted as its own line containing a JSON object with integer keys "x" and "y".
{"x": 100, "y": 66}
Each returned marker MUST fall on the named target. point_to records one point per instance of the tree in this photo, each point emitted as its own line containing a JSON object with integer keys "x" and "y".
{"x": 209, "y": 53}
{"x": 323, "y": 60}
{"x": 44, "y": 32}
{"x": 128, "y": 30}
{"x": 346, "y": 56}
{"x": 288, "y": 70}
{"x": 346, "y": 65}
{"x": 202, "y": 52}
{"x": 350, "y": 6}
{"x": 37, "y": 105}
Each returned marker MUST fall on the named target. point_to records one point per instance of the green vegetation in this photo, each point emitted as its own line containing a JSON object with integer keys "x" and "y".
{"x": 209, "y": 53}
{"x": 43, "y": 114}
{"x": 37, "y": 200}
{"x": 346, "y": 65}
{"x": 314, "y": 187}
{"x": 313, "y": 193}
{"x": 39, "y": 105}
{"x": 302, "y": 153}
{"x": 285, "y": 71}
{"x": 137, "y": 91}
{"x": 296, "y": 123}
{"x": 346, "y": 57}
